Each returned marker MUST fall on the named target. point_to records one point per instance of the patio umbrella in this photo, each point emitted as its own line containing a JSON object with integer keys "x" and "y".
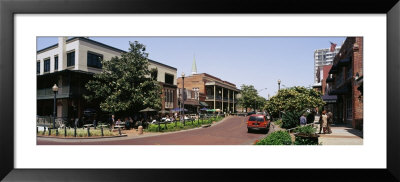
{"x": 163, "y": 111}
{"x": 147, "y": 110}
{"x": 203, "y": 109}
{"x": 178, "y": 110}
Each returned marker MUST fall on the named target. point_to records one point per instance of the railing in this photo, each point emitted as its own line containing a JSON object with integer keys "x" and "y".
{"x": 47, "y": 121}
{"x": 49, "y": 91}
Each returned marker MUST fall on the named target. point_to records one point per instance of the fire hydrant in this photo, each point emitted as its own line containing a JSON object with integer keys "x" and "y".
{"x": 140, "y": 130}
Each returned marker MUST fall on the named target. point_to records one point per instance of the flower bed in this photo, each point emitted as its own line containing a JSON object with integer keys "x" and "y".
{"x": 180, "y": 126}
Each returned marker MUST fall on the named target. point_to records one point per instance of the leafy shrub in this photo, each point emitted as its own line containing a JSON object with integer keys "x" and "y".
{"x": 306, "y": 130}
{"x": 306, "y": 136}
{"x": 179, "y": 125}
{"x": 291, "y": 119}
{"x": 306, "y": 140}
{"x": 276, "y": 138}
{"x": 279, "y": 122}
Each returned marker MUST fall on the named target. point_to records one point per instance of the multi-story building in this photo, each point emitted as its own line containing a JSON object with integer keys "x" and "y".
{"x": 71, "y": 63}
{"x": 345, "y": 81}
{"x": 322, "y": 57}
{"x": 210, "y": 92}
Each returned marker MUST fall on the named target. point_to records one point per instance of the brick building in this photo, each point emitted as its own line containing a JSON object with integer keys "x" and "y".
{"x": 345, "y": 81}
{"x": 71, "y": 63}
{"x": 209, "y": 91}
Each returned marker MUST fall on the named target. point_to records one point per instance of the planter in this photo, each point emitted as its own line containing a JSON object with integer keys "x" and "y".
{"x": 306, "y": 139}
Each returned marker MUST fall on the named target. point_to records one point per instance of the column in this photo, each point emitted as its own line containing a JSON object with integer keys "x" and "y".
{"x": 222, "y": 107}
{"x": 233, "y": 104}
{"x": 228, "y": 102}
{"x": 214, "y": 96}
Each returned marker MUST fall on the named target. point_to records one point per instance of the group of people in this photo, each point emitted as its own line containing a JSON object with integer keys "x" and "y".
{"x": 325, "y": 121}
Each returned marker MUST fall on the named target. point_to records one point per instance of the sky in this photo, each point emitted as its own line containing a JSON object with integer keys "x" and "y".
{"x": 257, "y": 61}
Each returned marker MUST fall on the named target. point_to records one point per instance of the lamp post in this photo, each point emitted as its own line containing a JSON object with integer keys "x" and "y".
{"x": 55, "y": 90}
{"x": 183, "y": 97}
{"x": 279, "y": 88}
{"x": 279, "y": 84}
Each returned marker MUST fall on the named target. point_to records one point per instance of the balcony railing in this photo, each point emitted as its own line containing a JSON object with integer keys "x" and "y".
{"x": 49, "y": 92}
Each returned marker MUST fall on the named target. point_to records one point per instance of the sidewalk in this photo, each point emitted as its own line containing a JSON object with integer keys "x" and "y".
{"x": 341, "y": 135}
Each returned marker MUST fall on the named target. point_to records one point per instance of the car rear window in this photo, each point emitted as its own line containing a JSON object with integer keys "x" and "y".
{"x": 256, "y": 118}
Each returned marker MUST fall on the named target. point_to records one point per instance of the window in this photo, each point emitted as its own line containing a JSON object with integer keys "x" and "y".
{"x": 169, "y": 100}
{"x": 55, "y": 63}
{"x": 94, "y": 60}
{"x": 256, "y": 118}
{"x": 38, "y": 67}
{"x": 47, "y": 65}
{"x": 169, "y": 79}
{"x": 196, "y": 93}
{"x": 71, "y": 59}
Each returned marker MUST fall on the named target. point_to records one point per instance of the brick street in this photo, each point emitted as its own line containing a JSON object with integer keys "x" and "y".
{"x": 231, "y": 131}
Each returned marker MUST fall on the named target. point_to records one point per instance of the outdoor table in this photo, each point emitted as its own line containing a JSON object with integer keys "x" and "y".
{"x": 87, "y": 125}
{"x": 118, "y": 126}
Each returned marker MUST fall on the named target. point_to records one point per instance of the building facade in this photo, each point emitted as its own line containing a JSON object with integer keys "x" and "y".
{"x": 345, "y": 82}
{"x": 211, "y": 92}
{"x": 71, "y": 63}
{"x": 322, "y": 57}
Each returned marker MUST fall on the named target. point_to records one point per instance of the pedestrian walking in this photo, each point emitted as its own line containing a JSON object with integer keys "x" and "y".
{"x": 323, "y": 121}
{"x": 112, "y": 121}
{"x": 330, "y": 121}
{"x": 303, "y": 120}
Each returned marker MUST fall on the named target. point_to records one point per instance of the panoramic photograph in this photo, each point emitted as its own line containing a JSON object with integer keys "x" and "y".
{"x": 199, "y": 90}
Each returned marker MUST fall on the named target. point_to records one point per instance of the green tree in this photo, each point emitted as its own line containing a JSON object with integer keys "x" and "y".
{"x": 125, "y": 83}
{"x": 248, "y": 96}
{"x": 260, "y": 102}
{"x": 294, "y": 99}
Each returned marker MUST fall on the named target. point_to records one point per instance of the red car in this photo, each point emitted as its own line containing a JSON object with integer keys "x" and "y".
{"x": 258, "y": 122}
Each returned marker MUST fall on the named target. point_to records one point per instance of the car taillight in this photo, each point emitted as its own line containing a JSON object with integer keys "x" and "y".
{"x": 265, "y": 123}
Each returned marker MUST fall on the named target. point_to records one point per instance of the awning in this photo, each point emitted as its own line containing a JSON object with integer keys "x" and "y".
{"x": 344, "y": 61}
{"x": 329, "y": 98}
{"x": 330, "y": 80}
{"x": 203, "y": 104}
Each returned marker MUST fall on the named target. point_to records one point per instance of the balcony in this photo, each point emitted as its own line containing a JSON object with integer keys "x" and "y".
{"x": 211, "y": 97}
{"x": 47, "y": 93}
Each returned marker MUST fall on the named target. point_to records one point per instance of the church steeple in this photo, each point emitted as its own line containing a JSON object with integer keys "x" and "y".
{"x": 194, "y": 67}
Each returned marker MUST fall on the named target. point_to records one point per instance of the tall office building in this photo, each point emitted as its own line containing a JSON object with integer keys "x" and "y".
{"x": 322, "y": 57}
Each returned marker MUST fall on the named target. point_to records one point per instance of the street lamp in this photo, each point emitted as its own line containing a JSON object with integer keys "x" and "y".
{"x": 183, "y": 96}
{"x": 279, "y": 88}
{"x": 279, "y": 84}
{"x": 55, "y": 90}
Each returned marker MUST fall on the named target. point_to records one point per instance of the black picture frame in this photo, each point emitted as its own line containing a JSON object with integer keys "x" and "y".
{"x": 9, "y": 8}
